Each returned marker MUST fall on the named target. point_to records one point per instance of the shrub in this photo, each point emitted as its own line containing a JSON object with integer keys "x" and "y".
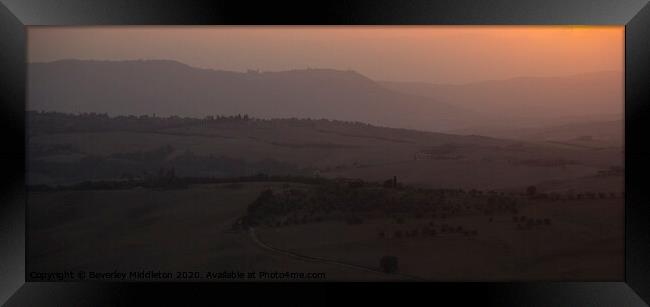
{"x": 531, "y": 190}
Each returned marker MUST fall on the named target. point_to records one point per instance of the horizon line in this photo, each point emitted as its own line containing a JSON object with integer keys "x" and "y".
{"x": 248, "y": 70}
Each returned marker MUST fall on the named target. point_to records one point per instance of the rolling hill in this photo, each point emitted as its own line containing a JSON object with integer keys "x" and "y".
{"x": 171, "y": 88}
{"x": 68, "y": 148}
{"x": 532, "y": 101}
{"x": 590, "y": 134}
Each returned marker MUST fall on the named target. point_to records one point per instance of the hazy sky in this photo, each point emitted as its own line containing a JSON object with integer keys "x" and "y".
{"x": 439, "y": 54}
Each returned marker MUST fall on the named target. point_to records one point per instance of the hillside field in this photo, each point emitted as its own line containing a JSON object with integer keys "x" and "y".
{"x": 193, "y": 230}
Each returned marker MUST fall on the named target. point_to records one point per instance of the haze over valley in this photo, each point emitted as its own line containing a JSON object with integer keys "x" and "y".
{"x": 129, "y": 87}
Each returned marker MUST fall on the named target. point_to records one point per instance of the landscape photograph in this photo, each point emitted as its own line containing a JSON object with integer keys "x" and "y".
{"x": 328, "y": 153}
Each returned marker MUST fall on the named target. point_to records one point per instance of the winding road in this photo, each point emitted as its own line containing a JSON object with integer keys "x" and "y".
{"x": 261, "y": 244}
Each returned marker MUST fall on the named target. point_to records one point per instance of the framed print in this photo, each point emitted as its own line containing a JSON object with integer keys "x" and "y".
{"x": 160, "y": 151}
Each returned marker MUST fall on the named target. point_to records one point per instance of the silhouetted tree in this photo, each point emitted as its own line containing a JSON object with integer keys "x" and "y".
{"x": 531, "y": 190}
{"x": 389, "y": 264}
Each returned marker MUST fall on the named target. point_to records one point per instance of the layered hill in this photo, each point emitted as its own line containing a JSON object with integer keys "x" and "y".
{"x": 532, "y": 101}
{"x": 65, "y": 148}
{"x": 171, "y": 88}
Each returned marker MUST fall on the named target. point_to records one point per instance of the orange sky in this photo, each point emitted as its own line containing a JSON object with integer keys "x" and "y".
{"x": 439, "y": 54}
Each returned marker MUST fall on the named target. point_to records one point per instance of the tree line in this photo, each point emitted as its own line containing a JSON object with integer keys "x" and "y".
{"x": 48, "y": 122}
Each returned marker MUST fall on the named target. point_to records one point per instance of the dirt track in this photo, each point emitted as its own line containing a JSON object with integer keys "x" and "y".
{"x": 265, "y": 246}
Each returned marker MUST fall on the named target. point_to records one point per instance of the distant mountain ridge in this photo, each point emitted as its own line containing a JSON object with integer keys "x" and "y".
{"x": 584, "y": 95}
{"x": 166, "y": 87}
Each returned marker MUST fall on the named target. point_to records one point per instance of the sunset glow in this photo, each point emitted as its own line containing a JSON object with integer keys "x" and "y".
{"x": 439, "y": 54}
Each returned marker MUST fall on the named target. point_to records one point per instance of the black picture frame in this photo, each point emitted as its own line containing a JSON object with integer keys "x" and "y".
{"x": 16, "y": 15}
